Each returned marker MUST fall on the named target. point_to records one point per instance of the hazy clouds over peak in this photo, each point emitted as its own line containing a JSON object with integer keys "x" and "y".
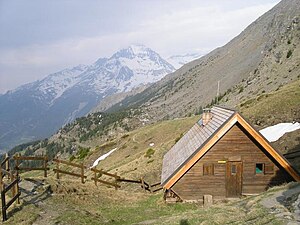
{"x": 40, "y": 37}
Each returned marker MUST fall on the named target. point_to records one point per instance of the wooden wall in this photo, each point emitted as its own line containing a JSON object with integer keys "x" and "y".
{"x": 235, "y": 145}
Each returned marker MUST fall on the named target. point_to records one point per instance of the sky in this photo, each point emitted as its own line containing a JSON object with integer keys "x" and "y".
{"x": 38, "y": 38}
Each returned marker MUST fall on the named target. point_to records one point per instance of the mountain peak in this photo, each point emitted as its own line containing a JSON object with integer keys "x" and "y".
{"x": 73, "y": 92}
{"x": 132, "y": 51}
{"x": 138, "y": 49}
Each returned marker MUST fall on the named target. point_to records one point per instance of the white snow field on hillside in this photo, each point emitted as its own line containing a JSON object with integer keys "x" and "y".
{"x": 102, "y": 157}
{"x": 273, "y": 133}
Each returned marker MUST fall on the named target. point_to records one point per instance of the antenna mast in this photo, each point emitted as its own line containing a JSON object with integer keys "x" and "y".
{"x": 218, "y": 92}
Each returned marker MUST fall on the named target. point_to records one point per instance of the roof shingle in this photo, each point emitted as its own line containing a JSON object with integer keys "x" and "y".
{"x": 193, "y": 141}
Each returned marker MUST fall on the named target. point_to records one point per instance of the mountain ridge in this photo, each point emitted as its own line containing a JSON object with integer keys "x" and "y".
{"x": 38, "y": 109}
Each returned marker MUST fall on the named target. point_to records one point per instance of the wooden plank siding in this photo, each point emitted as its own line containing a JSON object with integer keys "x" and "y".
{"x": 238, "y": 144}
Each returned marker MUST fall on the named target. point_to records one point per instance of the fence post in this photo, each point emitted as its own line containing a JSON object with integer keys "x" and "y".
{"x": 95, "y": 176}
{"x": 17, "y": 189}
{"x": 45, "y": 166}
{"x": 1, "y": 180}
{"x": 17, "y": 163}
{"x": 116, "y": 182}
{"x": 4, "y": 216}
{"x": 143, "y": 184}
{"x": 7, "y": 162}
{"x": 12, "y": 177}
{"x": 82, "y": 173}
{"x": 57, "y": 168}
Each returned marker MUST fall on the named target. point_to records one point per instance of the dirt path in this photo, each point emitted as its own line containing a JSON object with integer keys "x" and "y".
{"x": 36, "y": 192}
{"x": 285, "y": 204}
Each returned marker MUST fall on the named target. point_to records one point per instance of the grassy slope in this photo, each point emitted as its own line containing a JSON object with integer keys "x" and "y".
{"x": 87, "y": 204}
{"x": 279, "y": 106}
{"x": 130, "y": 159}
{"x": 268, "y": 109}
{"x": 75, "y": 203}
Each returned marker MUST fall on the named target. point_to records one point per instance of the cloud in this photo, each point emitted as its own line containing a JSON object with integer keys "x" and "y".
{"x": 184, "y": 30}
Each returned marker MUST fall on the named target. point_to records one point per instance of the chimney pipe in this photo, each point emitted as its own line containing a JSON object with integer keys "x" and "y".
{"x": 206, "y": 116}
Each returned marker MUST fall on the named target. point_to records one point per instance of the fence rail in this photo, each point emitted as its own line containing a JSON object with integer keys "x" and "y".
{"x": 5, "y": 162}
{"x": 14, "y": 186}
{"x": 58, "y": 170}
{"x": 11, "y": 181}
{"x": 19, "y": 158}
{"x": 292, "y": 155}
{"x": 147, "y": 187}
{"x": 156, "y": 187}
{"x": 99, "y": 173}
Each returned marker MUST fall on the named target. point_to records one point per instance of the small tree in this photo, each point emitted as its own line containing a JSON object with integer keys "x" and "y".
{"x": 289, "y": 53}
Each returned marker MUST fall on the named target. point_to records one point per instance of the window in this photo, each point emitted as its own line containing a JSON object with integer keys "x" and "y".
{"x": 269, "y": 169}
{"x": 233, "y": 169}
{"x": 208, "y": 169}
{"x": 259, "y": 168}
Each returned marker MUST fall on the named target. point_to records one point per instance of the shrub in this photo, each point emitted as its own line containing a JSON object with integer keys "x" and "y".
{"x": 72, "y": 158}
{"x": 150, "y": 161}
{"x": 125, "y": 136}
{"x": 83, "y": 152}
{"x": 149, "y": 152}
{"x": 241, "y": 89}
{"x": 289, "y": 53}
{"x": 178, "y": 138}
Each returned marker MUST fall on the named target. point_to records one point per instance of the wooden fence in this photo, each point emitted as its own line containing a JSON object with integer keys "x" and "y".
{"x": 99, "y": 173}
{"x": 146, "y": 187}
{"x": 18, "y": 158}
{"x": 9, "y": 180}
{"x": 13, "y": 185}
{"x": 155, "y": 187}
{"x": 80, "y": 166}
{"x": 5, "y": 165}
{"x": 292, "y": 155}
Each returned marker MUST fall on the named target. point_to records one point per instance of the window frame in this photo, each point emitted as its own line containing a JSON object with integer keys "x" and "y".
{"x": 270, "y": 170}
{"x": 233, "y": 171}
{"x": 208, "y": 169}
{"x": 262, "y": 170}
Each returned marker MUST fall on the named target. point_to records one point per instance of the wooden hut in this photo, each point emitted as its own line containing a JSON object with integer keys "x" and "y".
{"x": 222, "y": 155}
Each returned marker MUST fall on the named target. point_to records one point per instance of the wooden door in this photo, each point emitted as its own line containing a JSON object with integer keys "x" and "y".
{"x": 233, "y": 179}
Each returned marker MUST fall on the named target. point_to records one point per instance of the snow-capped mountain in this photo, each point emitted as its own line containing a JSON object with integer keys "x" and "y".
{"x": 179, "y": 60}
{"x": 38, "y": 109}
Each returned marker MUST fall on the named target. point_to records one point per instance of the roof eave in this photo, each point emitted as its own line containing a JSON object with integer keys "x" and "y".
{"x": 168, "y": 183}
{"x": 236, "y": 117}
{"x": 266, "y": 145}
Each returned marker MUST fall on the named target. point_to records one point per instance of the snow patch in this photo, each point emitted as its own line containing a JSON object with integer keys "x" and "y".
{"x": 273, "y": 133}
{"x": 103, "y": 157}
{"x": 179, "y": 60}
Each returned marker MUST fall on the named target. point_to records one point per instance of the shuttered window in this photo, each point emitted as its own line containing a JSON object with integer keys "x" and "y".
{"x": 208, "y": 169}
{"x": 269, "y": 169}
{"x": 264, "y": 168}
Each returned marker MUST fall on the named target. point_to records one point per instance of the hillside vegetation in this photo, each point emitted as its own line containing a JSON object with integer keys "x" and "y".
{"x": 139, "y": 154}
{"x": 140, "y": 151}
{"x": 69, "y": 202}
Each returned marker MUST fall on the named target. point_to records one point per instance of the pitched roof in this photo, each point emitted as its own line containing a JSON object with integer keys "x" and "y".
{"x": 198, "y": 140}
